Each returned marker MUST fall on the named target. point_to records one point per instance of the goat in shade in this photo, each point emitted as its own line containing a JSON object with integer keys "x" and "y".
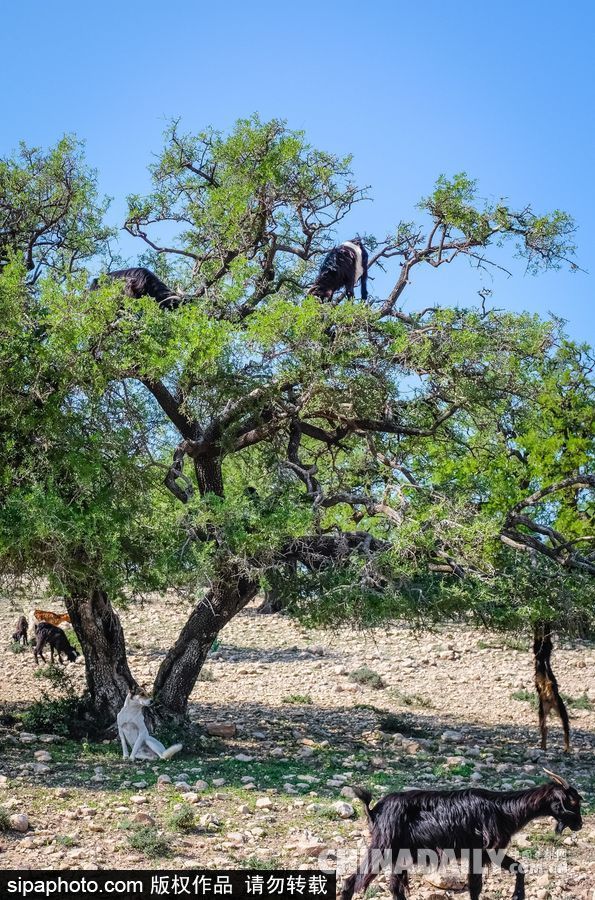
{"x": 472, "y": 823}
{"x": 57, "y": 640}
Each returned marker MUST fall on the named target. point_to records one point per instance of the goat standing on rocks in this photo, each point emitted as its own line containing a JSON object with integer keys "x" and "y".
{"x": 472, "y": 823}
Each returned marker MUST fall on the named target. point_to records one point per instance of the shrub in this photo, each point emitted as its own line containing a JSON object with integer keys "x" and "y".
{"x": 147, "y": 840}
{"x": 182, "y": 818}
{"x": 4, "y": 819}
{"x": 367, "y": 677}
{"x": 297, "y": 699}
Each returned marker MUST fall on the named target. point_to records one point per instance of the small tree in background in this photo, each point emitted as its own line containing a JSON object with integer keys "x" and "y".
{"x": 369, "y": 464}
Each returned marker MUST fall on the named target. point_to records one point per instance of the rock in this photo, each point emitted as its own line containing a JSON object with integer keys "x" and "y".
{"x": 201, "y": 785}
{"x": 135, "y": 784}
{"x": 209, "y": 821}
{"x": 164, "y": 779}
{"x": 344, "y": 810}
{"x": 3, "y": 781}
{"x": 236, "y": 837}
{"x": 26, "y": 738}
{"x": 138, "y": 799}
{"x": 191, "y": 797}
{"x": 244, "y": 810}
{"x": 143, "y": 818}
{"x": 19, "y": 822}
{"x": 218, "y": 782}
{"x": 40, "y": 769}
{"x": 264, "y": 803}
{"x": 243, "y": 757}
{"x": 445, "y": 882}
{"x": 347, "y": 792}
{"x": 449, "y": 736}
{"x": 42, "y": 756}
{"x": 221, "y": 729}
{"x": 182, "y": 786}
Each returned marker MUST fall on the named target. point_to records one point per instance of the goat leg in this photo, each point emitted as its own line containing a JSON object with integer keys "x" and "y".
{"x": 398, "y": 885}
{"x": 515, "y": 868}
{"x": 543, "y": 723}
{"x": 563, "y": 713}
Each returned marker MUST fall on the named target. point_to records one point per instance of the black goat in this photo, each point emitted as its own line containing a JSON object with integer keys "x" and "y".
{"x": 471, "y": 824}
{"x": 141, "y": 282}
{"x": 22, "y": 628}
{"x": 57, "y": 640}
{"x": 342, "y": 267}
{"x": 546, "y": 684}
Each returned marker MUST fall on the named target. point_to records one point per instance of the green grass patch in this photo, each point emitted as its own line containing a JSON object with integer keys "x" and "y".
{"x": 414, "y": 700}
{"x": 253, "y": 862}
{"x": 367, "y": 677}
{"x": 298, "y": 699}
{"x": 16, "y": 647}
{"x": 581, "y": 702}
{"x": 181, "y": 819}
{"x": 525, "y": 697}
{"x": 4, "y": 819}
{"x": 64, "y": 840}
{"x": 147, "y": 841}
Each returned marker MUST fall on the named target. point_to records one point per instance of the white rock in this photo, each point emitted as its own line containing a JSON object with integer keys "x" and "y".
{"x": 347, "y": 792}
{"x": 164, "y": 779}
{"x": 264, "y": 803}
{"x": 218, "y": 782}
{"x": 26, "y": 738}
{"x": 344, "y": 810}
{"x": 243, "y": 757}
{"x": 201, "y": 785}
{"x": 40, "y": 769}
{"x": 449, "y": 736}
{"x": 19, "y": 822}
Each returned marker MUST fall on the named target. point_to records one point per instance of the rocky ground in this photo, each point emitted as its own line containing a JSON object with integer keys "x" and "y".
{"x": 451, "y": 707}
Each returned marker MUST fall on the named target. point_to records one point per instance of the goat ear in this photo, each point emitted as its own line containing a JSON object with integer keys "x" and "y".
{"x": 557, "y": 778}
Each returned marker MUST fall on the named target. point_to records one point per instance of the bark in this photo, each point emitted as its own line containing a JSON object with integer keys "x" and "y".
{"x": 99, "y": 630}
{"x": 180, "y": 669}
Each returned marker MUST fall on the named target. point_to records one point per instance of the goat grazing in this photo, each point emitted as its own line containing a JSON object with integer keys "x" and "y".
{"x": 546, "y": 684}
{"x": 139, "y": 282}
{"x": 20, "y": 635}
{"x": 45, "y": 633}
{"x": 471, "y": 824}
{"x": 342, "y": 267}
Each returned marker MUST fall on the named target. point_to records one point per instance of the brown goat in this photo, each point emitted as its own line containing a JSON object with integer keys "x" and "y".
{"x": 546, "y": 684}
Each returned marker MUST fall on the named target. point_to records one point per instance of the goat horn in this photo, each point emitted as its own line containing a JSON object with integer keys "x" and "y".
{"x": 557, "y": 778}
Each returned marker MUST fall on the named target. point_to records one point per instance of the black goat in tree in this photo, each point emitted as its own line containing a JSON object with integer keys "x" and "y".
{"x": 546, "y": 684}
{"x": 140, "y": 282}
{"x": 343, "y": 267}
{"x": 475, "y": 824}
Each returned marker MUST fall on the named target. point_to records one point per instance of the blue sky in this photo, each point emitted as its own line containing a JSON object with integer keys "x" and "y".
{"x": 503, "y": 91}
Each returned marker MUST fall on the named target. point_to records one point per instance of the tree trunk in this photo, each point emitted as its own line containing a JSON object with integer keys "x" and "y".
{"x": 99, "y": 630}
{"x": 180, "y": 669}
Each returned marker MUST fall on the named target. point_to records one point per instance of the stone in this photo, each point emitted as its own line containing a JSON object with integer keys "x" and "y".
{"x": 143, "y": 818}
{"x": 264, "y": 803}
{"x": 218, "y": 782}
{"x": 243, "y": 757}
{"x": 19, "y": 822}
{"x": 164, "y": 779}
{"x": 201, "y": 785}
{"x": 451, "y": 737}
{"x": 182, "y": 786}
{"x": 344, "y": 810}
{"x": 40, "y": 768}
{"x": 347, "y": 792}
{"x": 42, "y": 756}
{"x": 138, "y": 799}
{"x": 221, "y": 729}
{"x": 26, "y": 737}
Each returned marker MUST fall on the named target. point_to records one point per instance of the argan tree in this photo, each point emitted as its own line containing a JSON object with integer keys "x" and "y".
{"x": 368, "y": 463}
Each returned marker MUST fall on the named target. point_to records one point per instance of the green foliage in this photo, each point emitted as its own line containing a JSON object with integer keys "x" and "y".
{"x": 367, "y": 464}
{"x": 147, "y": 840}
{"x": 181, "y": 818}
{"x": 4, "y": 819}
{"x": 367, "y": 677}
{"x": 297, "y": 699}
